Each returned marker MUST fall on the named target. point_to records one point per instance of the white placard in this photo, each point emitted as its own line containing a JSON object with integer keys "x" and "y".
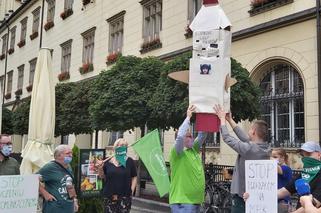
{"x": 261, "y": 184}
{"x": 19, "y": 193}
{"x": 207, "y": 84}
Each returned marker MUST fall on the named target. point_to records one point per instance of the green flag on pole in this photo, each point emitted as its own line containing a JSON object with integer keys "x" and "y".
{"x": 149, "y": 150}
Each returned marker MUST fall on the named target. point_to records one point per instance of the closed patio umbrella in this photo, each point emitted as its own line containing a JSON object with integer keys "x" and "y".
{"x": 38, "y": 150}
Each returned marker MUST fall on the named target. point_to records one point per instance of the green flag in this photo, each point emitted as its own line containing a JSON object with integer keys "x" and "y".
{"x": 149, "y": 150}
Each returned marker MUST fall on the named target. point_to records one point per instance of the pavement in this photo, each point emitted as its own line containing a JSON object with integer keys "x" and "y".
{"x": 140, "y": 205}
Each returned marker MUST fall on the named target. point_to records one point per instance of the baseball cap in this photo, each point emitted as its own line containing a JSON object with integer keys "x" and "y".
{"x": 311, "y": 146}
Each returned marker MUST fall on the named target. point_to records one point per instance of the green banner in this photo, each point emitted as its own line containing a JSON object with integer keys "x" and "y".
{"x": 149, "y": 150}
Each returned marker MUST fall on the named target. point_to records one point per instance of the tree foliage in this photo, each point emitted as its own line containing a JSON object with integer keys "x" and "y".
{"x": 20, "y": 118}
{"x": 6, "y": 125}
{"x": 121, "y": 93}
{"x": 74, "y": 109}
{"x": 170, "y": 100}
{"x": 244, "y": 95}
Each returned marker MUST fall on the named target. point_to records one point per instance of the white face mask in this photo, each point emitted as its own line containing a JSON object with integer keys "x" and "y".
{"x": 6, "y": 149}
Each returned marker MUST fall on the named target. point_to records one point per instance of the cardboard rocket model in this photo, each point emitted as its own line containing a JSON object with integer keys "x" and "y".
{"x": 210, "y": 67}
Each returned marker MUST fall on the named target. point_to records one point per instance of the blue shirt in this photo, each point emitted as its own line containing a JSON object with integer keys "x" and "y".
{"x": 284, "y": 179}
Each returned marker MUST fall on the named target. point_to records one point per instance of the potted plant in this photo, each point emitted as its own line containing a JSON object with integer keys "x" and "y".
{"x": 87, "y": 67}
{"x": 7, "y": 96}
{"x": 65, "y": 14}
{"x": 10, "y": 51}
{"x": 18, "y": 92}
{"x": 34, "y": 35}
{"x": 49, "y": 25}
{"x": 29, "y": 88}
{"x": 112, "y": 58}
{"x": 85, "y": 2}
{"x": 151, "y": 45}
{"x": 21, "y": 43}
{"x": 2, "y": 56}
{"x": 63, "y": 76}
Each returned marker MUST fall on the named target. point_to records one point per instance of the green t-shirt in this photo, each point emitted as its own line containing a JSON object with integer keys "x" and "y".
{"x": 9, "y": 166}
{"x": 187, "y": 177}
{"x": 54, "y": 178}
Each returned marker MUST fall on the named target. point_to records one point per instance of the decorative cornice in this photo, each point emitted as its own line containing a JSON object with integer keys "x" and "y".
{"x": 116, "y": 17}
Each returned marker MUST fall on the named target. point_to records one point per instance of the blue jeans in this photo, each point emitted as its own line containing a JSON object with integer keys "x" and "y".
{"x": 185, "y": 208}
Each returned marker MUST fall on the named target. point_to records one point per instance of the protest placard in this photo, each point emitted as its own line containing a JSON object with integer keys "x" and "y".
{"x": 19, "y": 193}
{"x": 261, "y": 184}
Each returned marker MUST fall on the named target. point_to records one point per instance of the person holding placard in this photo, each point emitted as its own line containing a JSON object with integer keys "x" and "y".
{"x": 249, "y": 147}
{"x": 307, "y": 203}
{"x": 8, "y": 165}
{"x": 187, "y": 186}
{"x": 311, "y": 155}
{"x": 57, "y": 183}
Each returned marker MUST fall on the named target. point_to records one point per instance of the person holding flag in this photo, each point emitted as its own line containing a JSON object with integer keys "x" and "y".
{"x": 187, "y": 186}
{"x": 119, "y": 172}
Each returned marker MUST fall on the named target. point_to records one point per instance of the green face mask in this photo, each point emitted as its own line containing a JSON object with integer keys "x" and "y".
{"x": 311, "y": 168}
{"x": 121, "y": 155}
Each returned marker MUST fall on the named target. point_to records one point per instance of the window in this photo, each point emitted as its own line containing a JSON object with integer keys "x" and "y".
{"x": 282, "y": 105}
{"x": 32, "y": 70}
{"x": 4, "y": 44}
{"x": 1, "y": 83}
{"x": 36, "y": 19}
{"x": 20, "y": 76}
{"x": 65, "y": 56}
{"x": 23, "y": 29}
{"x": 65, "y": 139}
{"x": 51, "y": 10}
{"x": 114, "y": 136}
{"x": 193, "y": 7}
{"x": 13, "y": 37}
{"x": 88, "y": 46}
{"x": 152, "y": 23}
{"x": 116, "y": 29}
{"x": 9, "y": 82}
{"x": 68, "y": 4}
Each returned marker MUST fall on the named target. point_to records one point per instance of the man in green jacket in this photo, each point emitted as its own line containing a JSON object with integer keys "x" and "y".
{"x": 187, "y": 174}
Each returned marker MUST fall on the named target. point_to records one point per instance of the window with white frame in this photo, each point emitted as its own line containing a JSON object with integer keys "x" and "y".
{"x": 114, "y": 136}
{"x": 20, "y": 76}
{"x": 36, "y": 19}
{"x": 66, "y": 55}
{"x": 4, "y": 43}
{"x": 116, "y": 32}
{"x": 68, "y": 4}
{"x": 51, "y": 10}
{"x": 13, "y": 37}
{"x": 282, "y": 104}
{"x": 9, "y": 82}
{"x": 23, "y": 29}
{"x": 193, "y": 7}
{"x": 152, "y": 23}
{"x": 32, "y": 64}
{"x": 88, "y": 46}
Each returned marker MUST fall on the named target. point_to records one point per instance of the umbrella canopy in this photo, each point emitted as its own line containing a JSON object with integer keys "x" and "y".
{"x": 38, "y": 150}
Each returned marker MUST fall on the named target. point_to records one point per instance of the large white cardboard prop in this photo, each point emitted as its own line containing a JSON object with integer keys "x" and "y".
{"x": 210, "y": 66}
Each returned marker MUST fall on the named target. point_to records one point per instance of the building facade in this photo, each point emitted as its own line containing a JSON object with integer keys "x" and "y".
{"x": 275, "y": 40}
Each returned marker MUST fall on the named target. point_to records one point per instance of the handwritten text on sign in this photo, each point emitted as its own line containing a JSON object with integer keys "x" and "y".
{"x": 261, "y": 184}
{"x": 18, "y": 193}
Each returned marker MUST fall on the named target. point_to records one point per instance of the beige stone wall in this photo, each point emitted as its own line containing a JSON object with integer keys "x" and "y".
{"x": 295, "y": 44}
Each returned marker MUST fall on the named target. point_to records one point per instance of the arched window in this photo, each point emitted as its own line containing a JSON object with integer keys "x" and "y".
{"x": 282, "y": 104}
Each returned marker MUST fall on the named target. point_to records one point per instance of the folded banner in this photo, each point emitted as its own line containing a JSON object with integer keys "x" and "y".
{"x": 149, "y": 150}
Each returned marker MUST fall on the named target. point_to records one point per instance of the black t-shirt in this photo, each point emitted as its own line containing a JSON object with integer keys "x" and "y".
{"x": 118, "y": 179}
{"x": 315, "y": 187}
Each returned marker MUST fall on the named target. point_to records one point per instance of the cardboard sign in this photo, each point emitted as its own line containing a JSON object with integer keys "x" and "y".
{"x": 19, "y": 193}
{"x": 261, "y": 184}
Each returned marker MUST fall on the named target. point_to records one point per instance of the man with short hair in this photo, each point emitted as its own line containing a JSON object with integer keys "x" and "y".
{"x": 187, "y": 186}
{"x": 311, "y": 173}
{"x": 249, "y": 147}
{"x": 8, "y": 165}
{"x": 58, "y": 181}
